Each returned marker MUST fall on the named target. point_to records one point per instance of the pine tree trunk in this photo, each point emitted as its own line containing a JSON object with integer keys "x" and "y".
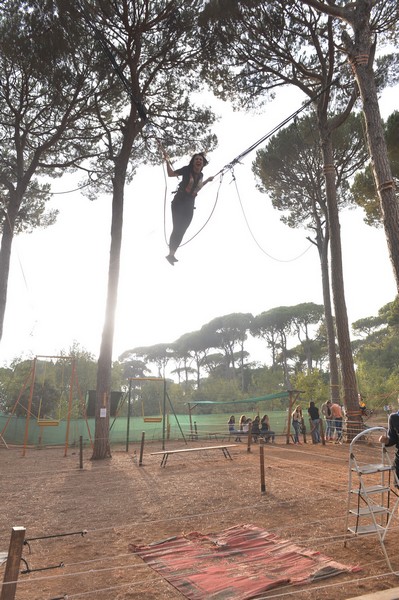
{"x": 337, "y": 281}
{"x": 328, "y": 315}
{"x": 101, "y": 449}
{"x": 360, "y": 54}
{"x": 5, "y": 254}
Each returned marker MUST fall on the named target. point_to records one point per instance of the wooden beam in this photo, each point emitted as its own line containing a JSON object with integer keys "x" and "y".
{"x": 8, "y": 590}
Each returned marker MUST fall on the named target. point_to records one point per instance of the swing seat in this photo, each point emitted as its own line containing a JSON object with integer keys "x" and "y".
{"x": 47, "y": 423}
{"x": 152, "y": 419}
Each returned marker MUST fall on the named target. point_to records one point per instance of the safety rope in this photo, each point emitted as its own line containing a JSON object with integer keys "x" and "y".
{"x": 254, "y": 238}
{"x": 210, "y": 216}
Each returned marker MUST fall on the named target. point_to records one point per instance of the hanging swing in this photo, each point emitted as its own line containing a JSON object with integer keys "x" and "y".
{"x": 151, "y": 419}
{"x": 46, "y": 421}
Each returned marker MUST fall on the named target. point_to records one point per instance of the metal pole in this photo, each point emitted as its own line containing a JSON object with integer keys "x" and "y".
{"x": 177, "y": 420}
{"x": 128, "y": 415}
{"x": 70, "y": 406}
{"x": 80, "y": 452}
{"x": 190, "y": 419}
{"x": 141, "y": 449}
{"x": 262, "y": 466}
{"x": 32, "y": 385}
{"x": 164, "y": 415}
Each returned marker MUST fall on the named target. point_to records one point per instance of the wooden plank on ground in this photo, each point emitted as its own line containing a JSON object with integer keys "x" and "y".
{"x": 392, "y": 594}
{"x": 194, "y": 449}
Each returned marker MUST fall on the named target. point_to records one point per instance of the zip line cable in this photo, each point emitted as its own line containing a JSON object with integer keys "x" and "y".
{"x": 238, "y": 158}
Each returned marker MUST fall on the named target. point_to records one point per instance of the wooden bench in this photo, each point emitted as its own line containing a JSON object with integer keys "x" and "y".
{"x": 207, "y": 435}
{"x": 165, "y": 453}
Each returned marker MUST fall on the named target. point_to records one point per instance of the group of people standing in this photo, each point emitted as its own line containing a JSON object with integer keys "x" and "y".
{"x": 260, "y": 427}
{"x": 332, "y": 412}
{"x": 298, "y": 424}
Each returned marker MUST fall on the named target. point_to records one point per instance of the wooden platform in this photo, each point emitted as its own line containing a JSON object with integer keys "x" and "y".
{"x": 165, "y": 453}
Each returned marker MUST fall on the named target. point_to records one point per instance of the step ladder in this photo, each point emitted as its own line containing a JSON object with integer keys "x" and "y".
{"x": 373, "y": 497}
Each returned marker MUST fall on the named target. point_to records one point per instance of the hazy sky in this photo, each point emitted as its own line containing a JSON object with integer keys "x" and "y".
{"x": 58, "y": 279}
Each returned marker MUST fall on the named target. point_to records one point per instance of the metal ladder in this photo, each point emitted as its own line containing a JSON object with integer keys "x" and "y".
{"x": 371, "y": 506}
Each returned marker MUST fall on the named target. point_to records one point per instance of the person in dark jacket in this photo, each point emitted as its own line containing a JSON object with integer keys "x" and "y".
{"x": 183, "y": 203}
{"x": 314, "y": 415}
{"x": 392, "y": 439}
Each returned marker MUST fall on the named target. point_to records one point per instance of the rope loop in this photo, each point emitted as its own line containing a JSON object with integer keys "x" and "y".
{"x": 387, "y": 185}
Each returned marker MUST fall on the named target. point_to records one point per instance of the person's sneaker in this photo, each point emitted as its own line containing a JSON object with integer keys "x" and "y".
{"x": 174, "y": 259}
{"x": 171, "y": 259}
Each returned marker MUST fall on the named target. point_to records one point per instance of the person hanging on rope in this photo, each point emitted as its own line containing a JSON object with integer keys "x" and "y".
{"x": 183, "y": 202}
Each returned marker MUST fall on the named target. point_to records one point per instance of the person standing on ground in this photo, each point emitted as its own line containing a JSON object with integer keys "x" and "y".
{"x": 314, "y": 415}
{"x": 336, "y": 413}
{"x": 392, "y": 439}
{"x": 296, "y": 423}
{"x": 326, "y": 412}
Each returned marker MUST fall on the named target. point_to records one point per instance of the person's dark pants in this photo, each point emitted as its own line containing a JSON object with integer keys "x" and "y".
{"x": 182, "y": 214}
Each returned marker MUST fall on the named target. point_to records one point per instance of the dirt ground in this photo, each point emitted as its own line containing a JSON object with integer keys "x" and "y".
{"x": 117, "y": 502}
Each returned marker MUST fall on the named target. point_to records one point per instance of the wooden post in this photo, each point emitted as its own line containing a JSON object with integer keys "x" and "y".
{"x": 262, "y": 466}
{"x": 303, "y": 430}
{"x": 80, "y": 452}
{"x": 8, "y": 590}
{"x": 142, "y": 449}
{"x": 289, "y": 416}
{"x": 249, "y": 437}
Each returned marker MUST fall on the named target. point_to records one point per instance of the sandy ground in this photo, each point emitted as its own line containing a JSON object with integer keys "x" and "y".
{"x": 117, "y": 502}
